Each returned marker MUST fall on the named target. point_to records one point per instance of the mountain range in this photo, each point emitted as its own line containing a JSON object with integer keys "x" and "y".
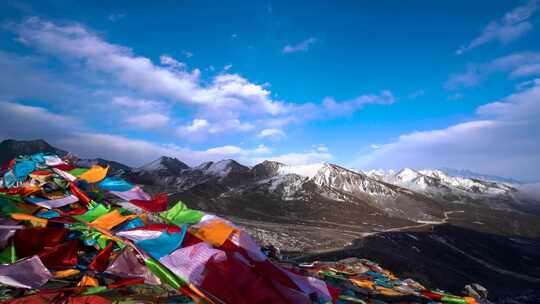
{"x": 432, "y": 218}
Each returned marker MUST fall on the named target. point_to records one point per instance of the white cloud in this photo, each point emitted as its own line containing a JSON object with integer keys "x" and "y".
{"x": 225, "y": 150}
{"x": 187, "y": 54}
{"x": 322, "y": 148}
{"x": 274, "y": 134}
{"x": 350, "y": 106}
{"x": 24, "y": 121}
{"x": 279, "y": 122}
{"x": 20, "y": 78}
{"x": 417, "y": 94}
{"x": 66, "y": 132}
{"x": 509, "y": 28}
{"x": 76, "y": 43}
{"x": 169, "y": 61}
{"x": 456, "y": 96}
{"x": 515, "y": 65}
{"x": 227, "y": 103}
{"x": 135, "y": 103}
{"x": 201, "y": 128}
{"x": 148, "y": 120}
{"x": 502, "y": 140}
{"x": 116, "y": 17}
{"x": 197, "y": 125}
{"x": 136, "y": 152}
{"x": 262, "y": 149}
{"x": 299, "y": 47}
{"x": 374, "y": 146}
{"x": 227, "y": 67}
{"x": 306, "y": 158}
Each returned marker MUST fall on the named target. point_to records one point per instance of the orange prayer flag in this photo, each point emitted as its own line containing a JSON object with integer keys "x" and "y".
{"x": 95, "y": 174}
{"x": 215, "y": 232}
{"x": 65, "y": 273}
{"x": 111, "y": 219}
{"x": 36, "y": 221}
{"x": 88, "y": 281}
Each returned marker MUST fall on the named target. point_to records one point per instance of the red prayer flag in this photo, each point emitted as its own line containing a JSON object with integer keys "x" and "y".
{"x": 101, "y": 260}
{"x": 31, "y": 241}
{"x": 431, "y": 295}
{"x": 78, "y": 193}
{"x": 158, "y": 227}
{"x": 41, "y": 172}
{"x": 61, "y": 255}
{"x": 88, "y": 300}
{"x": 158, "y": 203}
{"x": 126, "y": 282}
{"x": 64, "y": 167}
{"x": 243, "y": 286}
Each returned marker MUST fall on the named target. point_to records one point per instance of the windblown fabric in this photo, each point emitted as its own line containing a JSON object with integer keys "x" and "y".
{"x": 26, "y": 273}
{"x": 156, "y": 241}
{"x": 136, "y": 193}
{"x": 115, "y": 184}
{"x": 94, "y": 174}
{"x": 126, "y": 265}
{"x": 156, "y": 204}
{"x": 55, "y": 203}
{"x": 104, "y": 235}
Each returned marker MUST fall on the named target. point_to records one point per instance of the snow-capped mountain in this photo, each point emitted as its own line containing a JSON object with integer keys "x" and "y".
{"x": 486, "y": 177}
{"x": 443, "y": 187}
{"x": 438, "y": 180}
{"x": 162, "y": 171}
{"x": 167, "y": 171}
{"x": 408, "y": 193}
{"x": 430, "y": 218}
{"x": 115, "y": 168}
{"x": 318, "y": 191}
{"x": 326, "y": 175}
{"x": 163, "y": 164}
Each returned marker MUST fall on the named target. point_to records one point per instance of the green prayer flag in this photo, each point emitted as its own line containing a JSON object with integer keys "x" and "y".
{"x": 77, "y": 171}
{"x": 8, "y": 255}
{"x": 8, "y": 207}
{"x": 16, "y": 197}
{"x": 94, "y": 290}
{"x": 94, "y": 213}
{"x": 62, "y": 183}
{"x": 453, "y": 300}
{"x": 164, "y": 274}
{"x": 180, "y": 214}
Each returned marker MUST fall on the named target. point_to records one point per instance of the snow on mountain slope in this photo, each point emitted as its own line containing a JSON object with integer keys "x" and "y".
{"x": 351, "y": 182}
{"x": 223, "y": 167}
{"x": 164, "y": 163}
{"x": 485, "y": 177}
{"x": 445, "y": 188}
{"x": 439, "y": 181}
{"x": 303, "y": 170}
{"x": 468, "y": 184}
{"x": 335, "y": 177}
{"x": 288, "y": 186}
{"x": 407, "y": 175}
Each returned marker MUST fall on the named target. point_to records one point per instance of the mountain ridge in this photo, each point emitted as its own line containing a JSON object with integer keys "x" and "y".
{"x": 330, "y": 208}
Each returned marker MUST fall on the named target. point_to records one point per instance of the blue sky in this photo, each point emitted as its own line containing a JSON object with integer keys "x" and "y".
{"x": 386, "y": 84}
